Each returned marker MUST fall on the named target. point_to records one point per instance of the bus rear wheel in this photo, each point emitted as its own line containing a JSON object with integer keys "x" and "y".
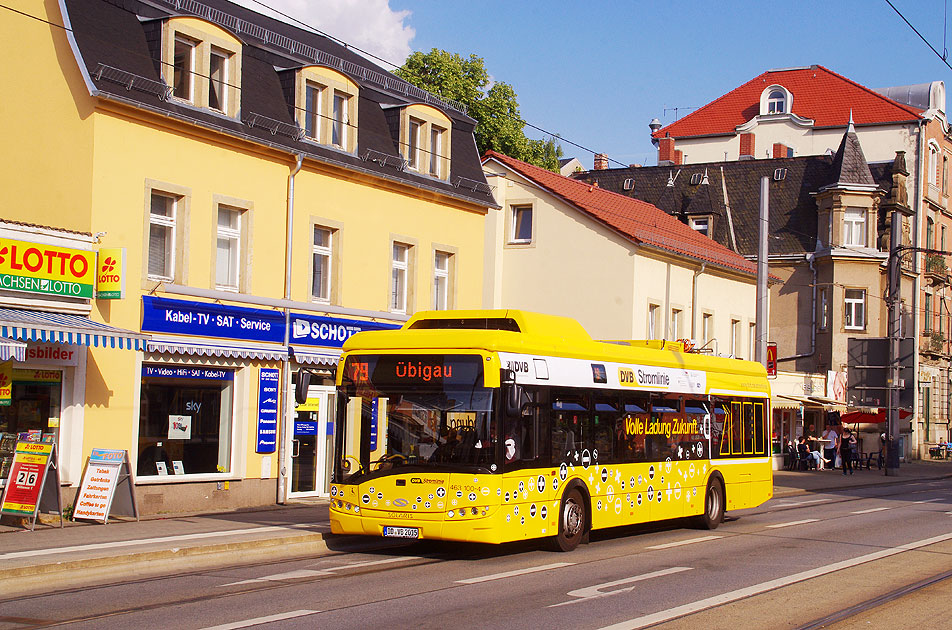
{"x": 572, "y": 521}
{"x": 713, "y": 506}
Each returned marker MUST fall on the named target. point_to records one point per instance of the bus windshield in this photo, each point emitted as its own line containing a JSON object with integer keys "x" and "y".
{"x": 414, "y": 412}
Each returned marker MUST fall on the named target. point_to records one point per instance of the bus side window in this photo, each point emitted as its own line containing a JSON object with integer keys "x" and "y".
{"x": 603, "y": 429}
{"x": 660, "y": 440}
{"x": 569, "y": 417}
{"x": 631, "y": 432}
{"x": 720, "y": 424}
{"x": 748, "y": 428}
{"x": 760, "y": 445}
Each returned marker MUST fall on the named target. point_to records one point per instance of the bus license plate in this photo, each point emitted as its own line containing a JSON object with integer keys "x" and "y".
{"x": 401, "y": 532}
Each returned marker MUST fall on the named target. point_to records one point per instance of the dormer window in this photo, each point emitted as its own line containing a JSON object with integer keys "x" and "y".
{"x": 202, "y": 63}
{"x": 776, "y": 100}
{"x": 325, "y": 106}
{"x": 425, "y": 140}
{"x": 701, "y": 224}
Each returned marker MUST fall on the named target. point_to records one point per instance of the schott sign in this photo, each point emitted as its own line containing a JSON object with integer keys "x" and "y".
{"x": 328, "y": 332}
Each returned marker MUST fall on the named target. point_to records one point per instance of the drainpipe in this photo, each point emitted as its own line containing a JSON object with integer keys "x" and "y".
{"x": 810, "y": 258}
{"x": 694, "y": 300}
{"x": 285, "y": 410}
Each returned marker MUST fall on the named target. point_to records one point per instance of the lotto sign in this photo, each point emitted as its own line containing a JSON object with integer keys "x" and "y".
{"x": 6, "y": 383}
{"x": 111, "y": 273}
{"x": 22, "y": 493}
{"x": 38, "y": 268}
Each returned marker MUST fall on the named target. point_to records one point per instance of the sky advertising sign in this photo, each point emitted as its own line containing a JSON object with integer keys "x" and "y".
{"x": 39, "y": 268}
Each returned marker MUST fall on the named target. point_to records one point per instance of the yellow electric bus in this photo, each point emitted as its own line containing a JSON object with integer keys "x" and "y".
{"x": 502, "y": 425}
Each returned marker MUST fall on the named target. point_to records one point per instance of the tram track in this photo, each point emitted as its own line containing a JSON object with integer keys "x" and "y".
{"x": 876, "y": 602}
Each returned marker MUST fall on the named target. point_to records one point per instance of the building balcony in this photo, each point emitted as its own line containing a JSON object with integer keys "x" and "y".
{"x": 932, "y": 342}
{"x": 936, "y": 270}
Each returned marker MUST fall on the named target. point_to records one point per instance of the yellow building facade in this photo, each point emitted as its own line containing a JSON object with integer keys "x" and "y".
{"x": 269, "y": 194}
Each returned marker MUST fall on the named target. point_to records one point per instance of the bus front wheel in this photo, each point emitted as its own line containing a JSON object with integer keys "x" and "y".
{"x": 571, "y": 520}
{"x": 713, "y": 506}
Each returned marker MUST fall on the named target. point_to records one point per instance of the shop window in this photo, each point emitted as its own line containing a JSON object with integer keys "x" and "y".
{"x": 202, "y": 63}
{"x": 325, "y": 102}
{"x": 185, "y": 420}
{"x": 33, "y": 413}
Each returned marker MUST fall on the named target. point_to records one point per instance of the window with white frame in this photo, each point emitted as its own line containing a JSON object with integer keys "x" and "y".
{"x": 321, "y": 253}
{"x": 707, "y": 328}
{"x": 218, "y": 79}
{"x": 521, "y": 219}
{"x": 415, "y": 144}
{"x": 653, "y": 311}
{"x": 400, "y": 267}
{"x": 933, "y": 164}
{"x": 854, "y": 303}
{"x": 776, "y": 102}
{"x": 202, "y": 63}
{"x": 228, "y": 253}
{"x": 675, "y": 326}
{"x": 751, "y": 340}
{"x": 436, "y": 150}
{"x": 183, "y": 68}
{"x": 441, "y": 280}
{"x": 735, "y": 337}
{"x": 162, "y": 228}
{"x": 339, "y": 120}
{"x": 425, "y": 140}
{"x": 854, "y": 227}
{"x": 823, "y": 306}
{"x": 313, "y": 117}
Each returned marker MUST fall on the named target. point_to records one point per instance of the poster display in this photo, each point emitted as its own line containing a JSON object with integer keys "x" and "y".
{"x": 27, "y": 490}
{"x": 106, "y": 471}
{"x": 267, "y": 410}
{"x": 180, "y": 427}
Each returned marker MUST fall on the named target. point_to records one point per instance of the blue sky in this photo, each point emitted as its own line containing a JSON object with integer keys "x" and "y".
{"x": 597, "y": 72}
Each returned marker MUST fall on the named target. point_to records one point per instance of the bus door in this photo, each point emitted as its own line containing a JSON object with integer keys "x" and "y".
{"x": 311, "y": 444}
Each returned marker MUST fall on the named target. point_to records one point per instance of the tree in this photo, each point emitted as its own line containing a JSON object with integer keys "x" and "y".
{"x": 493, "y": 105}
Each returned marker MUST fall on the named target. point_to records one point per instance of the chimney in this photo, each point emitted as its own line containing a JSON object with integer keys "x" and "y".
{"x": 781, "y": 150}
{"x": 678, "y": 156}
{"x": 746, "y": 146}
{"x": 601, "y": 161}
{"x": 665, "y": 151}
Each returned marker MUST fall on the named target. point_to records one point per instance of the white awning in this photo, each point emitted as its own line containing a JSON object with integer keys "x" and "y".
{"x": 203, "y": 346}
{"x": 315, "y": 356}
{"x": 27, "y": 325}
{"x": 12, "y": 349}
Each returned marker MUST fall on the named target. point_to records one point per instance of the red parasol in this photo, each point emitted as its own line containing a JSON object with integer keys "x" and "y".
{"x": 854, "y": 417}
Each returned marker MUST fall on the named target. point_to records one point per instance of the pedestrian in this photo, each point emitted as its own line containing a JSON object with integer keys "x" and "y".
{"x": 847, "y": 448}
{"x": 829, "y": 448}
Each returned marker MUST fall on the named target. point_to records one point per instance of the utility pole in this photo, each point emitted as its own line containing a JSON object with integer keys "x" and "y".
{"x": 761, "y": 325}
{"x": 894, "y": 306}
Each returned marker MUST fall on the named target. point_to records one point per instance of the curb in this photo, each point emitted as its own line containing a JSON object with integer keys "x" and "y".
{"x": 52, "y": 576}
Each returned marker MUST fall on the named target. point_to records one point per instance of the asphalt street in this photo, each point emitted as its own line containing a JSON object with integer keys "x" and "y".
{"x": 798, "y": 560}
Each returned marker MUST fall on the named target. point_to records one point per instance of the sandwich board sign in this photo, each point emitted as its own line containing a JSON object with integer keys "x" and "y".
{"x": 27, "y": 491}
{"x": 107, "y": 487}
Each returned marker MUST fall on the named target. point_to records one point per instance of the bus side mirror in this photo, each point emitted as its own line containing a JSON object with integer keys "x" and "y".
{"x": 512, "y": 393}
{"x": 300, "y": 388}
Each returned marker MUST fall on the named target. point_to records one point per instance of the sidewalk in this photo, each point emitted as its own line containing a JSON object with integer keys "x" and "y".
{"x": 82, "y": 553}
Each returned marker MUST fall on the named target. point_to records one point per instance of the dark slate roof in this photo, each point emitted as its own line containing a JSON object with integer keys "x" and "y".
{"x": 849, "y": 163}
{"x": 793, "y": 209}
{"x": 123, "y": 35}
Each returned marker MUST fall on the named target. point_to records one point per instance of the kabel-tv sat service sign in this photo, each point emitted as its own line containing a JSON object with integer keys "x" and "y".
{"x": 39, "y": 268}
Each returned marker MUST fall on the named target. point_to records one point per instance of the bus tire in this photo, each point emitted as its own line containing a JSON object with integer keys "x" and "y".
{"x": 713, "y": 505}
{"x": 572, "y": 521}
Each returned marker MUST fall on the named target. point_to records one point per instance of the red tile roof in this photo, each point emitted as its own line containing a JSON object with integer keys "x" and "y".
{"x": 639, "y": 220}
{"x": 818, "y": 93}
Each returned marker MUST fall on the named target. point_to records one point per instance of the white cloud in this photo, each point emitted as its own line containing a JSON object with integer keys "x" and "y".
{"x": 370, "y": 25}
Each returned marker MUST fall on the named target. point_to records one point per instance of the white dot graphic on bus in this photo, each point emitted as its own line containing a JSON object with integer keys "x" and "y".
{"x": 651, "y": 471}
{"x": 599, "y": 505}
{"x": 563, "y": 471}
{"x": 541, "y": 483}
{"x": 639, "y": 498}
{"x": 604, "y": 475}
{"x": 542, "y": 512}
{"x": 586, "y": 458}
